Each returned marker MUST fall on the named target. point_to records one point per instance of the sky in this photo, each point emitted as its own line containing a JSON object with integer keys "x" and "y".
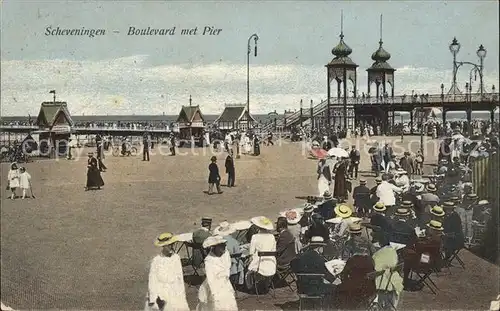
{"x": 120, "y": 74}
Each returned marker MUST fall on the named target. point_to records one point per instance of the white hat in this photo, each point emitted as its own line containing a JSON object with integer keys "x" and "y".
{"x": 308, "y": 207}
{"x": 483, "y": 202}
{"x": 317, "y": 239}
{"x": 292, "y": 217}
{"x": 262, "y": 222}
{"x": 224, "y": 229}
{"x": 401, "y": 171}
{"x": 419, "y": 187}
{"x": 212, "y": 241}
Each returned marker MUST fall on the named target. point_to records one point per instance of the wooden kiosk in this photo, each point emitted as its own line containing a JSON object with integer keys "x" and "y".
{"x": 55, "y": 123}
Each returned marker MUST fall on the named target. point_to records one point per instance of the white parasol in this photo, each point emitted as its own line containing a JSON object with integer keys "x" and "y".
{"x": 338, "y": 152}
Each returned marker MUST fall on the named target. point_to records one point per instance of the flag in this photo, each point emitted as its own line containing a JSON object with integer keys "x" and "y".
{"x": 52, "y": 92}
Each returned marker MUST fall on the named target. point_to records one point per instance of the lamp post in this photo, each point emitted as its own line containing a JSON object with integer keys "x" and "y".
{"x": 481, "y": 54}
{"x": 422, "y": 123}
{"x": 249, "y": 50}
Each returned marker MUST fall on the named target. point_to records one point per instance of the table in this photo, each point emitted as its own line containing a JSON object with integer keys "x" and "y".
{"x": 396, "y": 246}
{"x": 335, "y": 267}
{"x": 182, "y": 240}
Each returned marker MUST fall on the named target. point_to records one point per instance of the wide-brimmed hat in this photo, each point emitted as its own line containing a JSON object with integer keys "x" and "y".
{"x": 403, "y": 212}
{"x": 431, "y": 187}
{"x": 213, "y": 241}
{"x": 379, "y": 207}
{"x": 362, "y": 181}
{"x": 224, "y": 229}
{"x": 355, "y": 228}
{"x": 406, "y": 204}
{"x": 419, "y": 187}
{"x": 449, "y": 204}
{"x": 437, "y": 211}
{"x": 166, "y": 238}
{"x": 308, "y": 208}
{"x": 472, "y": 196}
{"x": 292, "y": 217}
{"x": 481, "y": 148}
{"x": 327, "y": 195}
{"x": 262, "y": 222}
{"x": 454, "y": 198}
{"x": 436, "y": 225}
{"x": 483, "y": 202}
{"x": 343, "y": 211}
{"x": 317, "y": 240}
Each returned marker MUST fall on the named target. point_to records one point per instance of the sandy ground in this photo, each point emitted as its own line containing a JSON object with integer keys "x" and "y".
{"x": 71, "y": 249}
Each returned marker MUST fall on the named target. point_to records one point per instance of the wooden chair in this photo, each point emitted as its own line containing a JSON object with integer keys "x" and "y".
{"x": 258, "y": 278}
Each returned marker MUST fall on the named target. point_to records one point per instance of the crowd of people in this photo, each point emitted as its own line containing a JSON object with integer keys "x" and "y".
{"x": 393, "y": 238}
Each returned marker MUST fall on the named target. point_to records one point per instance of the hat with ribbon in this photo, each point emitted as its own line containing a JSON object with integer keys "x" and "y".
{"x": 378, "y": 180}
{"x": 308, "y": 208}
{"x": 449, "y": 205}
{"x": 262, "y": 222}
{"x": 213, "y": 241}
{"x": 407, "y": 204}
{"x": 354, "y": 228}
{"x": 327, "y": 195}
{"x": 224, "y": 229}
{"x": 292, "y": 217}
{"x": 483, "y": 202}
{"x": 166, "y": 238}
{"x": 379, "y": 207}
{"x": 436, "y": 225}
{"x": 402, "y": 212}
{"x": 362, "y": 181}
{"x": 437, "y": 211}
{"x": 343, "y": 211}
{"x": 431, "y": 187}
{"x": 472, "y": 196}
{"x": 317, "y": 240}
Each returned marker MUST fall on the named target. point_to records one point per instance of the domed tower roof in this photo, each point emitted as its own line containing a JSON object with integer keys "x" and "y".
{"x": 342, "y": 49}
{"x": 381, "y": 55}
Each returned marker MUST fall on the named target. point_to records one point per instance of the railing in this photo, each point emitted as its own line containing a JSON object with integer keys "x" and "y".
{"x": 397, "y": 100}
{"x": 90, "y": 128}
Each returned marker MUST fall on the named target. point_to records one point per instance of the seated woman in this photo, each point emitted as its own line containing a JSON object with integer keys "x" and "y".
{"x": 390, "y": 284}
{"x": 356, "y": 287}
{"x": 345, "y": 212}
{"x": 285, "y": 244}
{"x": 263, "y": 241}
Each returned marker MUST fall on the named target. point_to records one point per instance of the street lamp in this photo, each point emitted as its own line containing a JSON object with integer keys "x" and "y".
{"x": 422, "y": 123}
{"x": 256, "y": 38}
{"x": 481, "y": 53}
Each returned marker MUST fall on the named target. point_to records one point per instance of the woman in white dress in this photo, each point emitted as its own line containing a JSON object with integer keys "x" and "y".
{"x": 325, "y": 176}
{"x": 166, "y": 280}
{"x": 216, "y": 292}
{"x": 13, "y": 179}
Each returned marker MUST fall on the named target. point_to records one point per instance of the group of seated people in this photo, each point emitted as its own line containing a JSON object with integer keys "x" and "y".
{"x": 304, "y": 240}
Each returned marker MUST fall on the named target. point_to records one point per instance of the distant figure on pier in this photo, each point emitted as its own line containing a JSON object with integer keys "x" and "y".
{"x": 94, "y": 179}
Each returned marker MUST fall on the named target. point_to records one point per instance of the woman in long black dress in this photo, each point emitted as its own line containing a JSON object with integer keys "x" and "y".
{"x": 94, "y": 179}
{"x": 213, "y": 177}
{"x": 340, "y": 188}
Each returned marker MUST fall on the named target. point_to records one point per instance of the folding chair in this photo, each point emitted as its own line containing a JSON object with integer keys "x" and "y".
{"x": 258, "y": 278}
{"x": 447, "y": 262}
{"x": 283, "y": 273}
{"x": 309, "y": 287}
{"x": 191, "y": 256}
{"x": 425, "y": 270}
{"x": 478, "y": 231}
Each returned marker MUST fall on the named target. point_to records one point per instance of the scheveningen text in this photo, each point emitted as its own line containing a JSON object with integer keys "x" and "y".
{"x": 58, "y": 31}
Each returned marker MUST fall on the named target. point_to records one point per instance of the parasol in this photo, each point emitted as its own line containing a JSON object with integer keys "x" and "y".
{"x": 338, "y": 152}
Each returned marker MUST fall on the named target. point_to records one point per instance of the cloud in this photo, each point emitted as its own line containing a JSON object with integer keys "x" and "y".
{"x": 132, "y": 85}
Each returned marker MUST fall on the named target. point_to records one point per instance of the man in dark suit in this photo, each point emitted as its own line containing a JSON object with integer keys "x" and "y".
{"x": 408, "y": 164}
{"x": 361, "y": 196}
{"x": 452, "y": 228}
{"x": 145, "y": 146}
{"x": 100, "y": 155}
{"x": 327, "y": 208}
{"x": 380, "y": 222}
{"x": 311, "y": 260}
{"x": 373, "y": 191}
{"x": 355, "y": 157}
{"x": 230, "y": 170}
{"x": 402, "y": 231}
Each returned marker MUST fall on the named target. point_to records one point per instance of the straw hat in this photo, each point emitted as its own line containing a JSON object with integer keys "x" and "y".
{"x": 317, "y": 240}
{"x": 327, "y": 195}
{"x": 378, "y": 180}
{"x": 355, "y": 228}
{"x": 483, "y": 202}
{"x": 166, "y": 238}
{"x": 406, "y": 204}
{"x": 262, "y": 222}
{"x": 431, "y": 188}
{"x": 213, "y": 241}
{"x": 449, "y": 204}
{"x": 401, "y": 171}
{"x": 437, "y": 211}
{"x": 402, "y": 212}
{"x": 436, "y": 225}
{"x": 343, "y": 211}
{"x": 224, "y": 229}
{"x": 308, "y": 208}
{"x": 292, "y": 217}
{"x": 472, "y": 196}
{"x": 379, "y": 207}
{"x": 362, "y": 181}
{"x": 454, "y": 198}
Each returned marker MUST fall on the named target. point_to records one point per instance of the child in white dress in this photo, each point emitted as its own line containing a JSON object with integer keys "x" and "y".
{"x": 24, "y": 181}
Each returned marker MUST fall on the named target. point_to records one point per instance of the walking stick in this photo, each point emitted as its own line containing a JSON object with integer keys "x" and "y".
{"x": 31, "y": 190}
